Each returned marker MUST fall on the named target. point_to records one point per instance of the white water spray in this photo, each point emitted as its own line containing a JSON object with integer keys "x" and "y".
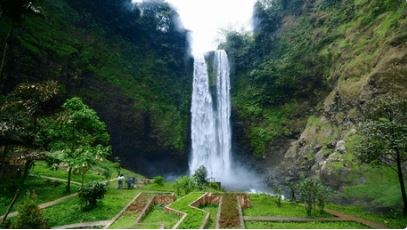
{"x": 210, "y": 127}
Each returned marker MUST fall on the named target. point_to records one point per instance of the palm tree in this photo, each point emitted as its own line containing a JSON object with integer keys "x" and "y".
{"x": 14, "y": 10}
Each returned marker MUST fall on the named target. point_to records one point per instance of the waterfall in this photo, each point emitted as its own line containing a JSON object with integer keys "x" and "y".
{"x": 223, "y": 109}
{"x": 203, "y": 132}
{"x": 210, "y": 126}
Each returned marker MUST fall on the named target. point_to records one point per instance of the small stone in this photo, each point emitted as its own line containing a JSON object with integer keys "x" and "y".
{"x": 340, "y": 146}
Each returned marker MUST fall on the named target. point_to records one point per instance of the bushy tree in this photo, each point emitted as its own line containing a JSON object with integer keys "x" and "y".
{"x": 384, "y": 138}
{"x": 293, "y": 190}
{"x": 308, "y": 192}
{"x": 313, "y": 194}
{"x": 29, "y": 215}
{"x": 159, "y": 180}
{"x": 90, "y": 194}
{"x": 278, "y": 192}
{"x": 77, "y": 137}
{"x": 184, "y": 185}
{"x": 200, "y": 177}
{"x": 323, "y": 195}
{"x": 20, "y": 111}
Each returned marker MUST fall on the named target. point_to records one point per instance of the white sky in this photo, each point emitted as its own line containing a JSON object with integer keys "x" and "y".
{"x": 206, "y": 18}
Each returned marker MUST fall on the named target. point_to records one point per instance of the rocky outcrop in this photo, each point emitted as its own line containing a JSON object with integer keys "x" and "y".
{"x": 322, "y": 150}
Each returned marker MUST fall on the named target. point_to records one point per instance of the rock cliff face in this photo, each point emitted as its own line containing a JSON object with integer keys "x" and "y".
{"x": 325, "y": 147}
{"x": 303, "y": 82}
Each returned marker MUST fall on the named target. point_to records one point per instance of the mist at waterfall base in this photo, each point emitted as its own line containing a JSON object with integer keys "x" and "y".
{"x": 211, "y": 133}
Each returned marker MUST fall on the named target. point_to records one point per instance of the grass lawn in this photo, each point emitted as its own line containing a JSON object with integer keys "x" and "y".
{"x": 166, "y": 187}
{"x": 157, "y": 215}
{"x": 70, "y": 212}
{"x": 380, "y": 187}
{"x": 127, "y": 220}
{"x": 95, "y": 174}
{"x": 213, "y": 210}
{"x": 307, "y": 225}
{"x": 392, "y": 220}
{"x": 265, "y": 205}
{"x": 195, "y": 217}
{"x": 46, "y": 190}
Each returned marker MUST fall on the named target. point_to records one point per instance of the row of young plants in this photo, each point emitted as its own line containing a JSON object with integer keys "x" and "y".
{"x": 229, "y": 212}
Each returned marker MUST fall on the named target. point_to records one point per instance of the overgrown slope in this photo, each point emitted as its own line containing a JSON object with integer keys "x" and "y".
{"x": 132, "y": 68}
{"x": 303, "y": 80}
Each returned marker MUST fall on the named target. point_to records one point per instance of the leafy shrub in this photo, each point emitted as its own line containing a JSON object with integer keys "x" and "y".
{"x": 29, "y": 215}
{"x": 215, "y": 185}
{"x": 159, "y": 180}
{"x": 200, "y": 177}
{"x": 90, "y": 194}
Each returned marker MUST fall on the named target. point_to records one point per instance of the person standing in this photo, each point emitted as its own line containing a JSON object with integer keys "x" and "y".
{"x": 120, "y": 181}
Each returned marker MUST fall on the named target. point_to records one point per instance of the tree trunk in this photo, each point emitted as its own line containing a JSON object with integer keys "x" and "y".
{"x": 11, "y": 206}
{"x": 401, "y": 180}
{"x": 68, "y": 186}
{"x": 27, "y": 167}
{"x": 3, "y": 58}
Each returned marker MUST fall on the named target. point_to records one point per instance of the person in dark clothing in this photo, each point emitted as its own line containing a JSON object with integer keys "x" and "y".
{"x": 129, "y": 182}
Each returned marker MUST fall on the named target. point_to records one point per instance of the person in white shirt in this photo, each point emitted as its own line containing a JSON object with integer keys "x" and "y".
{"x": 120, "y": 181}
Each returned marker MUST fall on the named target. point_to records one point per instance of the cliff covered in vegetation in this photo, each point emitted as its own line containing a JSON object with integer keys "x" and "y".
{"x": 306, "y": 77}
{"x": 131, "y": 63}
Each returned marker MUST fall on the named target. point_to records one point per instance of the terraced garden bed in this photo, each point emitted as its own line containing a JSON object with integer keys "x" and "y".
{"x": 195, "y": 216}
{"x": 213, "y": 210}
{"x": 159, "y": 217}
{"x": 128, "y": 218}
{"x": 126, "y": 221}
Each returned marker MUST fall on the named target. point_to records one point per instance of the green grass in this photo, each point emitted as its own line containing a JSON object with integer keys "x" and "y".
{"x": 126, "y": 221}
{"x": 307, "y": 225}
{"x": 213, "y": 210}
{"x": 95, "y": 174}
{"x": 166, "y": 187}
{"x": 70, "y": 212}
{"x": 390, "y": 219}
{"x": 195, "y": 217}
{"x": 158, "y": 216}
{"x": 380, "y": 187}
{"x": 46, "y": 190}
{"x": 265, "y": 205}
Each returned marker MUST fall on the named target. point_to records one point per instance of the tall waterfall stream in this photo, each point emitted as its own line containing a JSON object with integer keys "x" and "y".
{"x": 211, "y": 127}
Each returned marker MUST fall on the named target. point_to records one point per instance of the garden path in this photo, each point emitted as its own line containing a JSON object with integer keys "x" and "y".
{"x": 289, "y": 219}
{"x": 339, "y": 217}
{"x": 345, "y": 217}
{"x": 84, "y": 225}
{"x": 46, "y": 205}
{"x": 54, "y": 202}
